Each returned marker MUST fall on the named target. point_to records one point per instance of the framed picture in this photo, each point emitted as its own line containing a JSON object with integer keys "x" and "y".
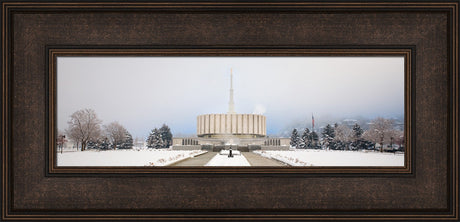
{"x": 184, "y": 82}
{"x": 230, "y": 110}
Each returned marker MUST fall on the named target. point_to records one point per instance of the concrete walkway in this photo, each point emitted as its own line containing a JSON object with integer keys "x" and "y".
{"x": 252, "y": 158}
{"x": 200, "y": 160}
{"x": 258, "y": 160}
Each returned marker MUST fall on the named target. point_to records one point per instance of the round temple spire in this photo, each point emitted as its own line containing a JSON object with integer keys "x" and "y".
{"x": 231, "y": 104}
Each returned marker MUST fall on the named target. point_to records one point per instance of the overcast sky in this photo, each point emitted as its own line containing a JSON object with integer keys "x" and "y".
{"x": 144, "y": 92}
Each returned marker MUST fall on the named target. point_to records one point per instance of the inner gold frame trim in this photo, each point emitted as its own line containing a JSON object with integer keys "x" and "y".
{"x": 54, "y": 53}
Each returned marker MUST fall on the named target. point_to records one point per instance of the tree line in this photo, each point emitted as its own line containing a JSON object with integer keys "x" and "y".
{"x": 343, "y": 137}
{"x": 308, "y": 140}
{"x": 87, "y": 131}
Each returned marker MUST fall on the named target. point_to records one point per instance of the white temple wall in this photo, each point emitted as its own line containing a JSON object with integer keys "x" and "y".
{"x": 211, "y": 123}
{"x": 218, "y": 123}
{"x": 251, "y": 124}
{"x": 241, "y": 124}
{"x": 206, "y": 124}
{"x": 245, "y": 124}
{"x": 233, "y": 123}
{"x": 259, "y": 124}
{"x": 228, "y": 125}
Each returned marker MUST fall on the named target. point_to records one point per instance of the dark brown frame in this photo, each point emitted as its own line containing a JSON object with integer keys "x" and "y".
{"x": 29, "y": 193}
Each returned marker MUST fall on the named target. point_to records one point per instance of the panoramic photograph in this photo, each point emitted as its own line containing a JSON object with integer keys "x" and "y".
{"x": 343, "y": 111}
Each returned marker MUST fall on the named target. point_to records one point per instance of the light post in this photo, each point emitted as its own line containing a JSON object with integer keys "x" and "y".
{"x": 401, "y": 140}
{"x": 60, "y": 142}
{"x": 391, "y": 142}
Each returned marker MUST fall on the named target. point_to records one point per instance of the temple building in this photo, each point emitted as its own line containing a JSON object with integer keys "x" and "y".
{"x": 244, "y": 132}
{"x": 239, "y": 125}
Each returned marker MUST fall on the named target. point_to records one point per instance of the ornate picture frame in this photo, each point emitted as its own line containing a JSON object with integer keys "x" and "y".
{"x": 34, "y": 33}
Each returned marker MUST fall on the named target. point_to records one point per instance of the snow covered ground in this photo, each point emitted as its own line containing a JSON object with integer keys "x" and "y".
{"x": 224, "y": 160}
{"x": 334, "y": 158}
{"x": 144, "y": 157}
{"x": 164, "y": 157}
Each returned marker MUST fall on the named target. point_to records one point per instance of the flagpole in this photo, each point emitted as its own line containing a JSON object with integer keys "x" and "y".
{"x": 312, "y": 123}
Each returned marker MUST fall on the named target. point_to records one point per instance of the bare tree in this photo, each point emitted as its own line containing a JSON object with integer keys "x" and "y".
{"x": 399, "y": 138}
{"x": 73, "y": 135}
{"x": 116, "y": 133}
{"x": 84, "y": 126}
{"x": 381, "y": 131}
{"x": 343, "y": 133}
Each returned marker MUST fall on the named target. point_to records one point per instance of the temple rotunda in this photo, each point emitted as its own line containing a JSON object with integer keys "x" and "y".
{"x": 231, "y": 123}
{"x": 231, "y": 128}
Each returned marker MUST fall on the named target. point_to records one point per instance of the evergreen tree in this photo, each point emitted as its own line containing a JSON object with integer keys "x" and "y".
{"x": 104, "y": 144}
{"x": 306, "y": 139}
{"x": 154, "y": 140}
{"x": 358, "y": 142}
{"x": 157, "y": 140}
{"x": 166, "y": 135}
{"x": 128, "y": 141}
{"x": 328, "y": 132}
{"x": 149, "y": 139}
{"x": 314, "y": 139}
{"x": 357, "y": 131}
{"x": 160, "y": 138}
{"x": 328, "y": 136}
{"x": 295, "y": 140}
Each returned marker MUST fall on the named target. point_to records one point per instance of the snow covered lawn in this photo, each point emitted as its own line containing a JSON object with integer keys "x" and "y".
{"x": 224, "y": 160}
{"x": 334, "y": 158}
{"x": 144, "y": 157}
